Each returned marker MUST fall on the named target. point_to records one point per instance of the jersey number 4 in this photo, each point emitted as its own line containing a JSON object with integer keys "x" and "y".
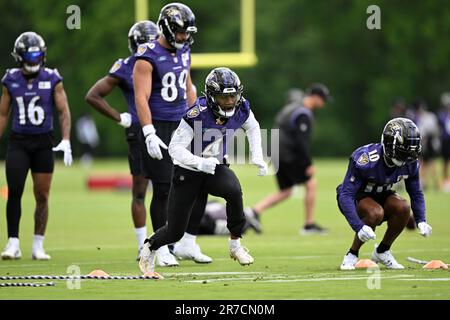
{"x": 169, "y": 92}
{"x": 35, "y": 113}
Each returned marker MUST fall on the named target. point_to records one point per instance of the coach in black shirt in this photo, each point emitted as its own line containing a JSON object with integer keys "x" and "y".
{"x": 295, "y": 122}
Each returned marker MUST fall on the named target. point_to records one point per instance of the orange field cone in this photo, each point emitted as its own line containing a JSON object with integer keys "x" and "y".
{"x": 365, "y": 263}
{"x": 98, "y": 273}
{"x": 435, "y": 264}
{"x": 4, "y": 192}
{"x": 153, "y": 275}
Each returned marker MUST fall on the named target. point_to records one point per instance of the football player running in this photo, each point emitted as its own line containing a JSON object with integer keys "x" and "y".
{"x": 365, "y": 196}
{"x": 163, "y": 91}
{"x": 199, "y": 152}
{"x": 121, "y": 75}
{"x": 31, "y": 92}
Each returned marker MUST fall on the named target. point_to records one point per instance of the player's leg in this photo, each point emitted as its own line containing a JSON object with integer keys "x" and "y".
{"x": 138, "y": 211}
{"x": 139, "y": 184}
{"x": 16, "y": 166}
{"x": 41, "y": 190}
{"x": 187, "y": 248}
{"x": 397, "y": 214}
{"x": 185, "y": 187}
{"x": 42, "y": 165}
{"x": 372, "y": 214}
{"x": 225, "y": 184}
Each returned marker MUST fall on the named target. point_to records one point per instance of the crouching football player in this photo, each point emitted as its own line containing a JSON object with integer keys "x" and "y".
{"x": 198, "y": 150}
{"x": 366, "y": 199}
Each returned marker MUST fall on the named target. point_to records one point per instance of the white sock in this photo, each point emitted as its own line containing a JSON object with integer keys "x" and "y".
{"x": 163, "y": 250}
{"x": 141, "y": 235}
{"x": 38, "y": 242}
{"x": 188, "y": 239}
{"x": 234, "y": 243}
{"x": 14, "y": 241}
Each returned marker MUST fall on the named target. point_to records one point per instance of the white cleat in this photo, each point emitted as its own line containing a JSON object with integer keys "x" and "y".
{"x": 12, "y": 250}
{"x": 147, "y": 259}
{"x": 241, "y": 255}
{"x": 387, "y": 259}
{"x": 349, "y": 262}
{"x": 40, "y": 255}
{"x": 190, "y": 252}
{"x": 165, "y": 259}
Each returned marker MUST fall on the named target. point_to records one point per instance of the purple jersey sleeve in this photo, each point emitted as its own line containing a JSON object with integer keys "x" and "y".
{"x": 347, "y": 195}
{"x": 414, "y": 190}
{"x": 117, "y": 71}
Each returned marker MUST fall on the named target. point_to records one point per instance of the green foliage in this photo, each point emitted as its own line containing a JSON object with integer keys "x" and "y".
{"x": 297, "y": 42}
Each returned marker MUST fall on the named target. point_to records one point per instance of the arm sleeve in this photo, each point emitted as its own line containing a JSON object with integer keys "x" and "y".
{"x": 347, "y": 196}
{"x": 253, "y": 131}
{"x": 414, "y": 190}
{"x": 179, "y": 143}
{"x": 303, "y": 138}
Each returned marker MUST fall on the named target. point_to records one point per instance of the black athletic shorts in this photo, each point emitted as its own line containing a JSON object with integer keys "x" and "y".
{"x": 134, "y": 139}
{"x": 445, "y": 149}
{"x": 159, "y": 171}
{"x": 379, "y": 198}
{"x": 290, "y": 174}
{"x": 30, "y": 151}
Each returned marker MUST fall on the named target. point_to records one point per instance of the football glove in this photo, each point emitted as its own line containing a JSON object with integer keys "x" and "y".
{"x": 125, "y": 120}
{"x": 424, "y": 229}
{"x": 64, "y": 146}
{"x": 366, "y": 233}
{"x": 262, "y": 166}
{"x": 208, "y": 165}
{"x": 153, "y": 142}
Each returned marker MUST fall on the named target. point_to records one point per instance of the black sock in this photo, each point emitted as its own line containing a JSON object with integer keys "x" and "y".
{"x": 383, "y": 248}
{"x": 353, "y": 252}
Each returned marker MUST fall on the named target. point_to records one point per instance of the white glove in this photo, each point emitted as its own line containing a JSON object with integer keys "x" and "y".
{"x": 64, "y": 146}
{"x": 125, "y": 120}
{"x": 262, "y": 166}
{"x": 153, "y": 142}
{"x": 208, "y": 165}
{"x": 366, "y": 233}
{"x": 424, "y": 228}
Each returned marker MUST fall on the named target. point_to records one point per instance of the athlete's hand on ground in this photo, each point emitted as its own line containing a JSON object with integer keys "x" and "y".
{"x": 64, "y": 146}
{"x": 125, "y": 120}
{"x": 262, "y": 166}
{"x": 424, "y": 229}
{"x": 208, "y": 165}
{"x": 366, "y": 233}
{"x": 153, "y": 142}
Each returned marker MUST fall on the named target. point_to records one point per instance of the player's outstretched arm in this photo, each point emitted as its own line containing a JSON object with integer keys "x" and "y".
{"x": 5, "y": 107}
{"x": 62, "y": 105}
{"x": 253, "y": 132}
{"x": 96, "y": 94}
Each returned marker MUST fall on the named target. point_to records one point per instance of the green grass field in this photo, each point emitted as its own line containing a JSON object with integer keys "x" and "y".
{"x": 93, "y": 230}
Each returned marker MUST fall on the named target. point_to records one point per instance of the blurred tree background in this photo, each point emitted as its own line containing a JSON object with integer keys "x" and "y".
{"x": 297, "y": 42}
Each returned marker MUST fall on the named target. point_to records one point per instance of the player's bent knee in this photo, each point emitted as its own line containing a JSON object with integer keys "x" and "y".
{"x": 41, "y": 197}
{"x": 404, "y": 209}
{"x": 375, "y": 215}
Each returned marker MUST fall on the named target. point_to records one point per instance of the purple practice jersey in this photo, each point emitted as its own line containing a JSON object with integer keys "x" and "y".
{"x": 215, "y": 135}
{"x": 368, "y": 173}
{"x": 123, "y": 71}
{"x": 31, "y": 101}
{"x": 444, "y": 122}
{"x": 168, "y": 99}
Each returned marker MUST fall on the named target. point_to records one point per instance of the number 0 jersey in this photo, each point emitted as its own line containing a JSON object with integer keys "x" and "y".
{"x": 32, "y": 102}
{"x": 168, "y": 99}
{"x": 368, "y": 173}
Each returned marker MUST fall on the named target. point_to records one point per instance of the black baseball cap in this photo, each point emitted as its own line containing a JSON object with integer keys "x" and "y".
{"x": 321, "y": 90}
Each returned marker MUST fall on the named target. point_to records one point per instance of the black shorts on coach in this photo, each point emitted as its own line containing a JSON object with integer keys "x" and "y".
{"x": 290, "y": 174}
{"x": 30, "y": 151}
